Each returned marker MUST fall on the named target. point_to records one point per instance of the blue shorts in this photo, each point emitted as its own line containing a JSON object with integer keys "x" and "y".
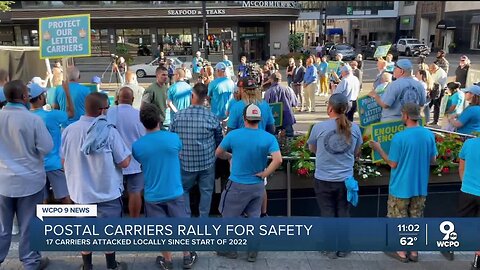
{"x": 110, "y": 209}
{"x": 135, "y": 182}
{"x": 172, "y": 208}
{"x": 57, "y": 181}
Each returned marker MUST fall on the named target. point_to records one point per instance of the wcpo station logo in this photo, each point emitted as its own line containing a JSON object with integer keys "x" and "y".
{"x": 450, "y": 236}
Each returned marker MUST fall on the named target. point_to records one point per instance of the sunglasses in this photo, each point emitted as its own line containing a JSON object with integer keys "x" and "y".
{"x": 104, "y": 108}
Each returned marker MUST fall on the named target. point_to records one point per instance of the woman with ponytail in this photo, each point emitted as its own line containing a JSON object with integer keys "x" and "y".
{"x": 336, "y": 143}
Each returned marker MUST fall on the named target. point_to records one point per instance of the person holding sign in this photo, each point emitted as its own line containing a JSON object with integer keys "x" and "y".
{"x": 336, "y": 143}
{"x": 409, "y": 160}
{"x": 406, "y": 89}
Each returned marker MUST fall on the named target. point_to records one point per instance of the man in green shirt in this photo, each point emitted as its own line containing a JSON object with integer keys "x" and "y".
{"x": 156, "y": 93}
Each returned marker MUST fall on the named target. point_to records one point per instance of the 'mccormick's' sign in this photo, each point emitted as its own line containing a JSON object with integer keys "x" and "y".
{"x": 270, "y": 4}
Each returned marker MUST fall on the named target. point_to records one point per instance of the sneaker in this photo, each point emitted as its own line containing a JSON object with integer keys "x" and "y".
{"x": 449, "y": 255}
{"x": 228, "y": 254}
{"x": 162, "y": 264}
{"x": 330, "y": 254}
{"x": 44, "y": 262}
{"x": 342, "y": 254}
{"x": 252, "y": 256}
{"x": 188, "y": 261}
{"x": 120, "y": 266}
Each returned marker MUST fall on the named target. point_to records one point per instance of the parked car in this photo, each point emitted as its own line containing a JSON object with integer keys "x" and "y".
{"x": 346, "y": 50}
{"x": 326, "y": 48}
{"x": 148, "y": 69}
{"x": 408, "y": 45}
{"x": 368, "y": 51}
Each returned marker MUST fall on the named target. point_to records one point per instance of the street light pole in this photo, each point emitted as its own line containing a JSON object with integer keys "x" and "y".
{"x": 325, "y": 23}
{"x": 205, "y": 28}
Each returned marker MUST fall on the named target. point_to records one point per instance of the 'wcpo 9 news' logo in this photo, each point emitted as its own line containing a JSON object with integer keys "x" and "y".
{"x": 450, "y": 236}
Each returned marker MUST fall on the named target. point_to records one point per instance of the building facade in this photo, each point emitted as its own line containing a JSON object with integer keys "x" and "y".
{"x": 256, "y": 29}
{"x": 462, "y": 18}
{"x": 354, "y": 22}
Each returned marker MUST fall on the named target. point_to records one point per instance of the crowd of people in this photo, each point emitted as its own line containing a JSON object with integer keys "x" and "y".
{"x": 161, "y": 141}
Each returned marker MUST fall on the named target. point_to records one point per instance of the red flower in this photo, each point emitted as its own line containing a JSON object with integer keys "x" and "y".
{"x": 448, "y": 152}
{"x": 438, "y": 139}
{"x": 302, "y": 171}
{"x": 366, "y": 138}
{"x": 446, "y": 170}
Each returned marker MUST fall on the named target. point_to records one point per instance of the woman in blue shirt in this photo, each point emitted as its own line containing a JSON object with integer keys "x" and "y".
{"x": 469, "y": 120}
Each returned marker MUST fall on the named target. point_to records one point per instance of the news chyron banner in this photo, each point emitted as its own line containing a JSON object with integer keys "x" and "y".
{"x": 65, "y": 36}
{"x": 54, "y": 231}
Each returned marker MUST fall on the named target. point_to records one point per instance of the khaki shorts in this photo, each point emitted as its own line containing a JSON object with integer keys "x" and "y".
{"x": 405, "y": 208}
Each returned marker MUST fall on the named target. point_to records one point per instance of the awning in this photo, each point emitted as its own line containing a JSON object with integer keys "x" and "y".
{"x": 475, "y": 19}
{"x": 334, "y": 31}
{"x": 446, "y": 24}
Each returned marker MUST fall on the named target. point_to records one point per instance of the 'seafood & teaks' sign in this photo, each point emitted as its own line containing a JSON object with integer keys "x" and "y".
{"x": 65, "y": 36}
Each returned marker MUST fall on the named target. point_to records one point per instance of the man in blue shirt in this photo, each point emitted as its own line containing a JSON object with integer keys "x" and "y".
{"x": 179, "y": 94}
{"x": 78, "y": 93}
{"x": 229, "y": 65}
{"x": 53, "y": 119}
{"x": 242, "y": 68}
{"x": 23, "y": 146}
{"x": 310, "y": 84}
{"x": 201, "y": 133}
{"x": 127, "y": 121}
{"x": 412, "y": 151}
{"x": 245, "y": 189}
{"x": 469, "y": 200}
{"x": 220, "y": 91}
{"x": 163, "y": 184}
{"x": 406, "y": 89}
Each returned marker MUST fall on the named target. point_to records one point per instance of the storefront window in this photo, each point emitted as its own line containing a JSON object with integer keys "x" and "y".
{"x": 7, "y": 37}
{"x": 100, "y": 42}
{"x": 215, "y": 42}
{"x": 476, "y": 36}
{"x": 137, "y": 41}
{"x": 175, "y": 41}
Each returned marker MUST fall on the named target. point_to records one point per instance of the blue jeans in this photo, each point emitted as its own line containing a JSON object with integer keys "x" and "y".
{"x": 206, "y": 182}
{"x": 25, "y": 208}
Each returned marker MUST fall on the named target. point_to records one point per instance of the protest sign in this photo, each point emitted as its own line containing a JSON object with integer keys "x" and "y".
{"x": 277, "y": 111}
{"x": 333, "y": 66}
{"x": 383, "y": 133}
{"x": 382, "y": 51}
{"x": 65, "y": 36}
{"x": 369, "y": 111}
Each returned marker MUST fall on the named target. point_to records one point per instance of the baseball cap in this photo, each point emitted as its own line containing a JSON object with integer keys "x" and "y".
{"x": 474, "y": 89}
{"x": 247, "y": 83}
{"x": 36, "y": 90}
{"x": 404, "y": 64}
{"x": 96, "y": 79}
{"x": 346, "y": 68}
{"x": 339, "y": 54}
{"x": 412, "y": 110}
{"x": 37, "y": 80}
{"x": 252, "y": 113}
{"x": 220, "y": 66}
{"x": 338, "y": 99}
{"x": 2, "y": 95}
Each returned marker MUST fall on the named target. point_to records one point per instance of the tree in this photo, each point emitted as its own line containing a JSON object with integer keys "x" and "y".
{"x": 295, "y": 42}
{"x": 5, "y": 5}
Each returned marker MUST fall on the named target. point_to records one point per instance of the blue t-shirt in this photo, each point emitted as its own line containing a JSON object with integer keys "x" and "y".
{"x": 53, "y": 119}
{"x": 390, "y": 67}
{"x": 78, "y": 93}
{"x": 399, "y": 92}
{"x": 250, "y": 149}
{"x": 242, "y": 70}
{"x": 470, "y": 118}
{"x": 51, "y": 95}
{"x": 471, "y": 155}
{"x": 235, "y": 115}
{"x": 413, "y": 156}
{"x": 230, "y": 104}
{"x": 220, "y": 90}
{"x": 180, "y": 93}
{"x": 335, "y": 156}
{"x": 197, "y": 64}
{"x": 158, "y": 153}
{"x": 457, "y": 100}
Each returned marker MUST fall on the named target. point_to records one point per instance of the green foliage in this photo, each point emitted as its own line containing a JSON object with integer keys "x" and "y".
{"x": 448, "y": 146}
{"x": 122, "y": 50}
{"x": 5, "y": 5}
{"x": 295, "y": 42}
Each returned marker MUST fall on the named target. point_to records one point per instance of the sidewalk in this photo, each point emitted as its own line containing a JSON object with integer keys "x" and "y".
{"x": 266, "y": 260}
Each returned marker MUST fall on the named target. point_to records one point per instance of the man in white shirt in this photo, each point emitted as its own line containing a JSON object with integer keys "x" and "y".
{"x": 132, "y": 83}
{"x": 23, "y": 146}
{"x": 350, "y": 87}
{"x": 439, "y": 76}
{"x": 127, "y": 121}
{"x": 83, "y": 152}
